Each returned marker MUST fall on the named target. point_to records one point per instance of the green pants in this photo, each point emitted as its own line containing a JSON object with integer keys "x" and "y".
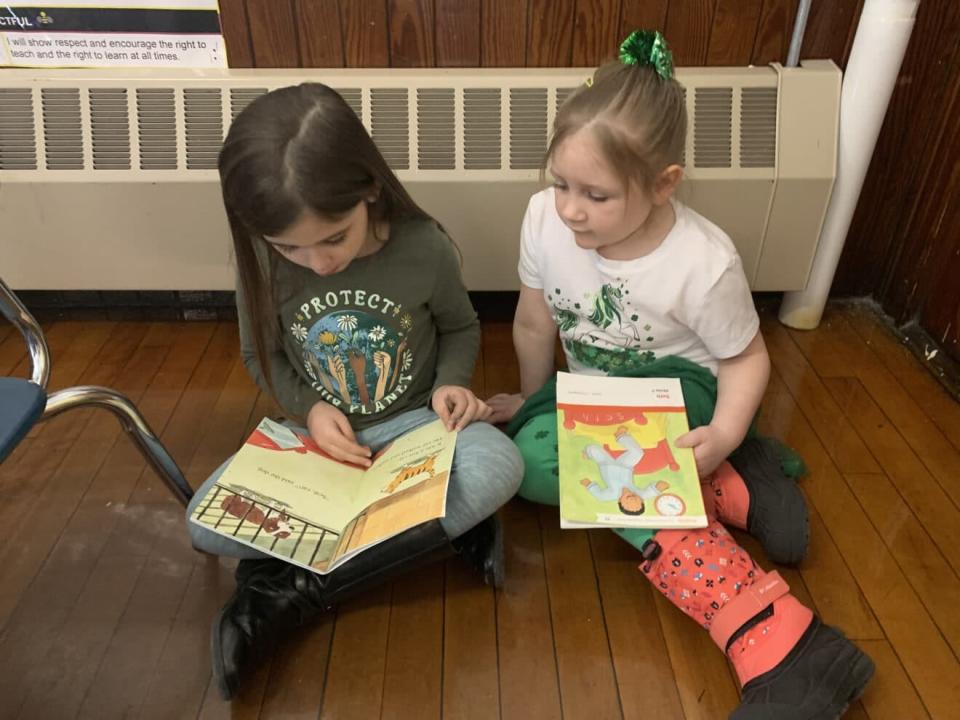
{"x": 537, "y": 441}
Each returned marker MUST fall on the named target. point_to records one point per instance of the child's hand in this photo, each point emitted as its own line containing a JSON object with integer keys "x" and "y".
{"x": 711, "y": 446}
{"x": 458, "y": 406}
{"x": 504, "y": 406}
{"x": 331, "y": 431}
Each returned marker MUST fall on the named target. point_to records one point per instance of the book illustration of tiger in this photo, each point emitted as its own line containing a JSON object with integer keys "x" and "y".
{"x": 411, "y": 471}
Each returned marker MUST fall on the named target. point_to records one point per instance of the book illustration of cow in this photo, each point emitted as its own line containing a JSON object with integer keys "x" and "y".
{"x": 277, "y": 526}
{"x": 411, "y": 471}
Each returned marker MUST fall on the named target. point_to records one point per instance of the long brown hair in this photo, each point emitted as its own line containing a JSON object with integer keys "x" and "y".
{"x": 638, "y": 118}
{"x": 293, "y": 150}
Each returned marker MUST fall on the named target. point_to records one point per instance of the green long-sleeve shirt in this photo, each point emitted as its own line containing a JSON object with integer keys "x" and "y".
{"x": 376, "y": 339}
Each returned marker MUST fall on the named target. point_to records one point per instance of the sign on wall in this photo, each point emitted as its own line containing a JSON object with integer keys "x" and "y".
{"x": 111, "y": 33}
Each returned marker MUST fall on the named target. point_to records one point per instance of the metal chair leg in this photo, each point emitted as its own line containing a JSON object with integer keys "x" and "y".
{"x": 16, "y": 312}
{"x": 133, "y": 423}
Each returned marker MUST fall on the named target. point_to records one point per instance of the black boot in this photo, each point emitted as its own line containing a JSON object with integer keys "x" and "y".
{"x": 481, "y": 548}
{"x": 817, "y": 680}
{"x": 273, "y": 597}
{"x": 778, "y": 511}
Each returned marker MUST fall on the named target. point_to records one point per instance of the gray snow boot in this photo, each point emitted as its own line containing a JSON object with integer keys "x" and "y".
{"x": 817, "y": 680}
{"x": 777, "y": 516}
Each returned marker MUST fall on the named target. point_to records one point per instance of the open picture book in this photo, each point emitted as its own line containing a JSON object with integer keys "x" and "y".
{"x": 619, "y": 466}
{"x": 283, "y": 495}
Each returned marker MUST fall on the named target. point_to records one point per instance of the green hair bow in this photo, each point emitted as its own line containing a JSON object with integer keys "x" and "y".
{"x": 648, "y": 48}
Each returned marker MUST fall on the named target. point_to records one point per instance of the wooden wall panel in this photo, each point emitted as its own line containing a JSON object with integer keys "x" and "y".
{"x": 411, "y": 33}
{"x": 320, "y": 33}
{"x": 518, "y": 33}
{"x": 927, "y": 236}
{"x": 550, "y": 33}
{"x": 457, "y": 31}
{"x": 236, "y": 33}
{"x": 503, "y": 33}
{"x": 274, "y": 33}
{"x": 596, "y": 32}
{"x": 365, "y": 33}
{"x": 922, "y": 282}
{"x": 688, "y": 30}
{"x": 941, "y": 213}
{"x": 642, "y": 15}
{"x": 773, "y": 31}
{"x": 882, "y": 241}
{"x": 828, "y": 28}
{"x": 734, "y": 30}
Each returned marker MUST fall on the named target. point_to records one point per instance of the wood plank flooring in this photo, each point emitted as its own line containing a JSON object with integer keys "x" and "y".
{"x": 105, "y": 608}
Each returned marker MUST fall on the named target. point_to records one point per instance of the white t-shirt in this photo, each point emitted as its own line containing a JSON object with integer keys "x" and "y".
{"x": 689, "y": 297}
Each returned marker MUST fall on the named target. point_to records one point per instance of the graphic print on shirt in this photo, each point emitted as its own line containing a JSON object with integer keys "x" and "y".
{"x": 354, "y": 347}
{"x": 598, "y": 312}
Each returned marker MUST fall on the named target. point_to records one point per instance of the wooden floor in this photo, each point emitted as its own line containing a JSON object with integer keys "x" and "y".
{"x": 105, "y": 609}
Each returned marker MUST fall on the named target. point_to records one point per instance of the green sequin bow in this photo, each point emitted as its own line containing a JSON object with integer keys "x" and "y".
{"x": 648, "y": 48}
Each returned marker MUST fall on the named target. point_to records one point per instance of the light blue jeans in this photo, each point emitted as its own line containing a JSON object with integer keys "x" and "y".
{"x": 487, "y": 470}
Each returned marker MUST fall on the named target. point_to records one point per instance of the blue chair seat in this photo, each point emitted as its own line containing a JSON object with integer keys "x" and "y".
{"x": 21, "y": 405}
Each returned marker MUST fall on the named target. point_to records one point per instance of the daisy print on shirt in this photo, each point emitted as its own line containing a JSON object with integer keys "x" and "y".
{"x": 354, "y": 348}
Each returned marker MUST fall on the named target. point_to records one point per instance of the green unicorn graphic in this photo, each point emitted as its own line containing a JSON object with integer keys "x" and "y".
{"x": 606, "y": 307}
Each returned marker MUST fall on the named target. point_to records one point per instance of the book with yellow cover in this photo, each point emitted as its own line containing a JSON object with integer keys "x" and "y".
{"x": 283, "y": 495}
{"x": 619, "y": 465}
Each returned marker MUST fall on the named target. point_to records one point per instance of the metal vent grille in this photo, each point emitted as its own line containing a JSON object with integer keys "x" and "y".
{"x": 712, "y": 123}
{"x": 241, "y": 97}
{"x": 18, "y": 135}
{"x": 390, "y": 124}
{"x": 758, "y": 127}
{"x": 436, "y": 129}
{"x": 203, "y": 120}
{"x": 110, "y": 128}
{"x": 354, "y": 98}
{"x": 563, "y": 94}
{"x": 528, "y": 127}
{"x": 132, "y": 125}
{"x": 481, "y": 128}
{"x": 157, "y": 128}
{"x": 62, "y": 128}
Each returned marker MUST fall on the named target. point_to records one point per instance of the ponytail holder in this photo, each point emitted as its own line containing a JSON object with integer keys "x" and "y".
{"x": 648, "y": 48}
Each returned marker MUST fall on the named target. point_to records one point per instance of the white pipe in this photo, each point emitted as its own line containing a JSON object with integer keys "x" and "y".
{"x": 799, "y": 28}
{"x": 878, "y": 47}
